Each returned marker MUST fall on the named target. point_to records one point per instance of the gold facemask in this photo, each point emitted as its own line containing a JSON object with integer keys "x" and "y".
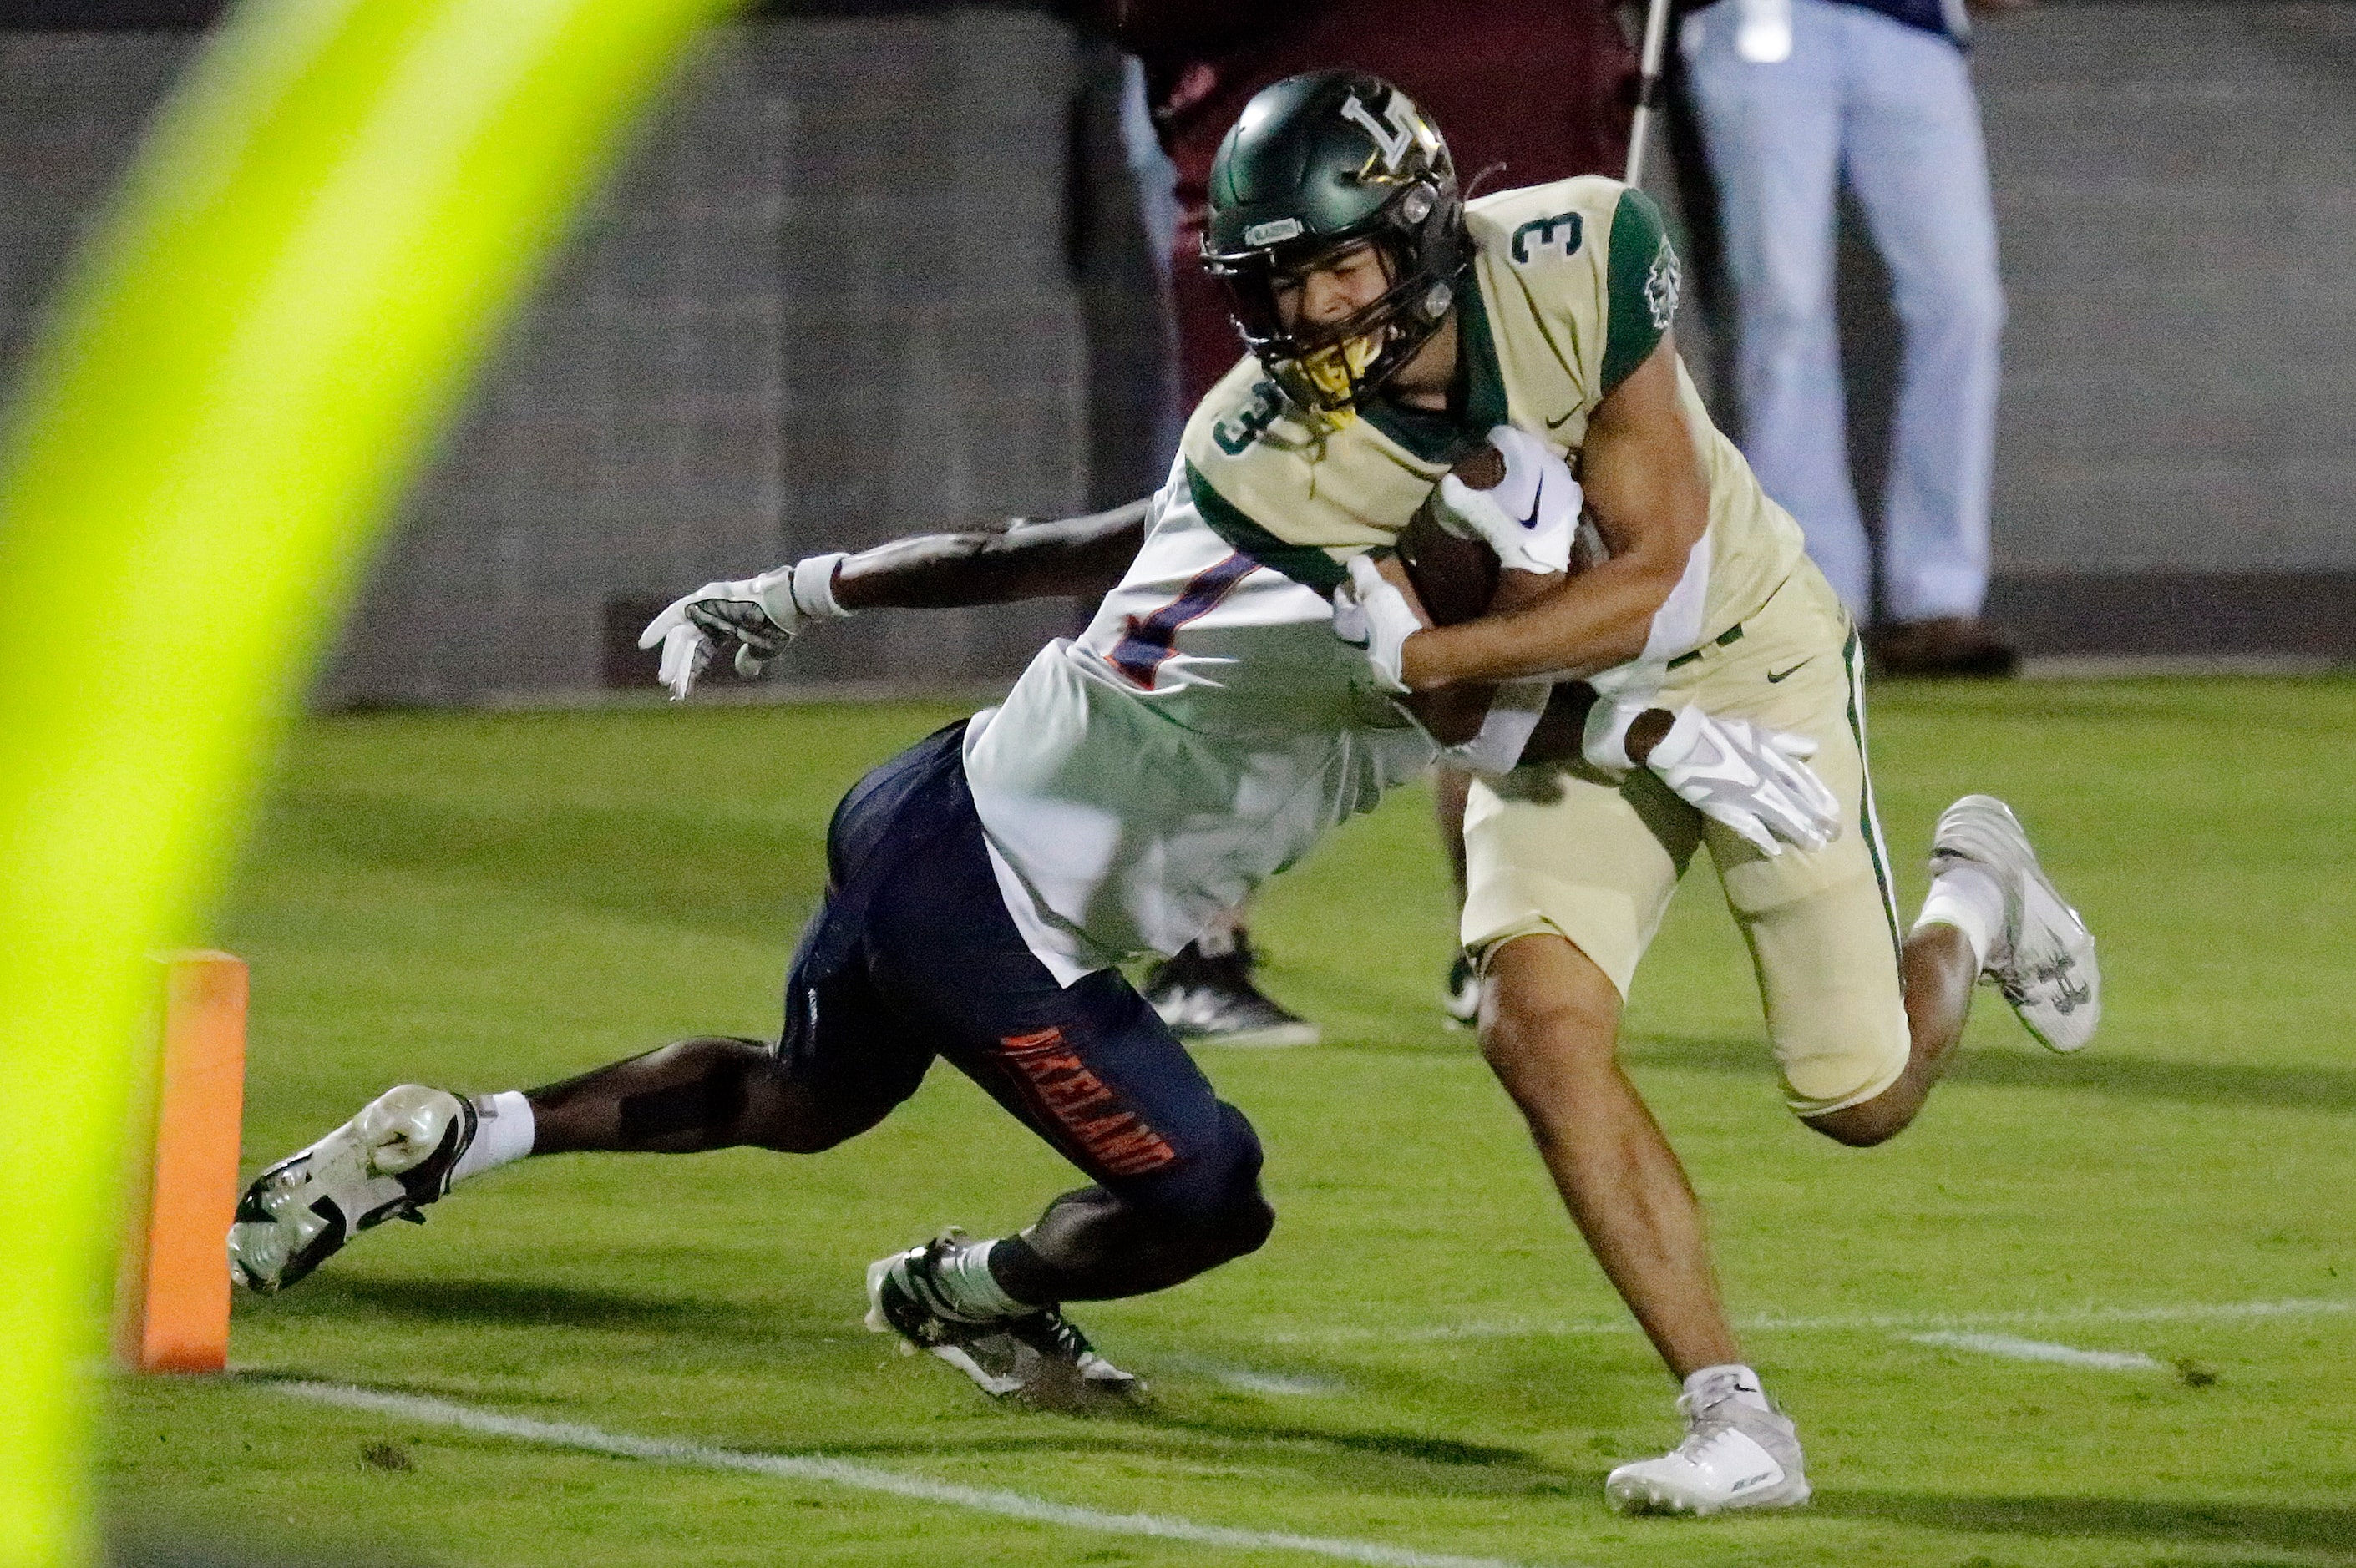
{"x": 1334, "y": 369}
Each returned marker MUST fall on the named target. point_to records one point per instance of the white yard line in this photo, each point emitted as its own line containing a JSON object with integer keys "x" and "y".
{"x": 862, "y": 1477}
{"x": 1901, "y": 1323}
{"x": 1253, "y": 1381}
{"x": 2019, "y": 1350}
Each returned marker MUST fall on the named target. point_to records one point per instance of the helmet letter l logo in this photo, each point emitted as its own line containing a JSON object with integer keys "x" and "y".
{"x": 1394, "y": 139}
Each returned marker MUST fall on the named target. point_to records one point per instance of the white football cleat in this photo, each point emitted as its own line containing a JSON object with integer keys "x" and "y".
{"x": 2043, "y": 960}
{"x": 386, "y": 1162}
{"x": 1735, "y": 1456}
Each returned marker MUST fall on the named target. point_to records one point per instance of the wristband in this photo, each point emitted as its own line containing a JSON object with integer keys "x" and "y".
{"x": 1678, "y": 745}
{"x": 813, "y": 587}
{"x": 1604, "y": 741}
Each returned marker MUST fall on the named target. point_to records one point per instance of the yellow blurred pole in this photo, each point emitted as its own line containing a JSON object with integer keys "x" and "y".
{"x": 327, "y": 220}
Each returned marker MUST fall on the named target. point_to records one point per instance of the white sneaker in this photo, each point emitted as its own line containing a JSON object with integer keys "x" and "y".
{"x": 386, "y": 1162}
{"x": 2043, "y": 960}
{"x": 1735, "y": 1456}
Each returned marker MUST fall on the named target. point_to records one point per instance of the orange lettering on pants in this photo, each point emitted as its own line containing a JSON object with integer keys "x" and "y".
{"x": 1080, "y": 1102}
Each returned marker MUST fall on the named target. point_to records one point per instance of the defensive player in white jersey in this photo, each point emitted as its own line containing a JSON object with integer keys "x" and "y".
{"x": 1201, "y": 736}
{"x": 1393, "y": 326}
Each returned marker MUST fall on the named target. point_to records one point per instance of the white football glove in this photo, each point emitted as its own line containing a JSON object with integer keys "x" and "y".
{"x": 1756, "y": 780}
{"x": 759, "y": 615}
{"x": 1370, "y": 613}
{"x": 1529, "y": 518}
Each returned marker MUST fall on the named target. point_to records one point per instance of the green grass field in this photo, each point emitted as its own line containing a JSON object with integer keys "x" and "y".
{"x": 1423, "y": 1359}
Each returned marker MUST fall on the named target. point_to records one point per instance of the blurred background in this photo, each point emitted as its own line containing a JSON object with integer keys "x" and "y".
{"x": 879, "y": 267}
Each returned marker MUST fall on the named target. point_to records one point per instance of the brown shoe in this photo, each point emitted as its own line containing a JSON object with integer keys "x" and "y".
{"x": 1944, "y": 645}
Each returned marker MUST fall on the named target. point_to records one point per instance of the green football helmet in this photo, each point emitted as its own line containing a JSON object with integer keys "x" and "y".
{"x": 1317, "y": 165}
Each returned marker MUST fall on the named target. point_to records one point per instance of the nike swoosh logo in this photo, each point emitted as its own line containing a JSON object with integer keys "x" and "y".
{"x": 1537, "y": 498}
{"x": 1777, "y": 676}
{"x": 1558, "y": 424}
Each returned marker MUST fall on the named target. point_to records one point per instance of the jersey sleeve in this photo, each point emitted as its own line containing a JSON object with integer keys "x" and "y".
{"x": 1305, "y": 565}
{"x": 1640, "y": 284}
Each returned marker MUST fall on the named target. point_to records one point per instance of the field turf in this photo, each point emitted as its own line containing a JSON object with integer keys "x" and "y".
{"x": 1423, "y": 1359}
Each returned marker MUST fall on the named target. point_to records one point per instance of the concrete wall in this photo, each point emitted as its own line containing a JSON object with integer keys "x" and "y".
{"x": 2177, "y": 457}
{"x": 830, "y": 299}
{"x": 869, "y": 273}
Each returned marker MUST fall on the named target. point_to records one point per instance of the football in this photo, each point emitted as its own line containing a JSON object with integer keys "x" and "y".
{"x": 1455, "y": 578}
{"x": 1459, "y": 579}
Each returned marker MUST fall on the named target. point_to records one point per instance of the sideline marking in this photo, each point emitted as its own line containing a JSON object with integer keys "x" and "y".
{"x": 862, "y": 1478}
{"x": 2194, "y": 1312}
{"x": 2020, "y": 1349}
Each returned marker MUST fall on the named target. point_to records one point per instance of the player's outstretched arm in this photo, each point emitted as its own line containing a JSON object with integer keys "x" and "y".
{"x": 1023, "y": 559}
{"x": 1644, "y": 480}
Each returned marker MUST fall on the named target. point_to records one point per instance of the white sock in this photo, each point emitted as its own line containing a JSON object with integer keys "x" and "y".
{"x": 502, "y": 1135}
{"x": 969, "y": 1288}
{"x": 1748, "y": 1390}
{"x": 1968, "y": 898}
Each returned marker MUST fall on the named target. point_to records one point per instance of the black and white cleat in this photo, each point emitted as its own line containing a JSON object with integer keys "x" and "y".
{"x": 387, "y": 1162}
{"x": 1040, "y": 1357}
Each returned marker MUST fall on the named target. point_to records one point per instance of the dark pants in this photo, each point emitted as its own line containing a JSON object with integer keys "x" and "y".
{"x": 913, "y": 957}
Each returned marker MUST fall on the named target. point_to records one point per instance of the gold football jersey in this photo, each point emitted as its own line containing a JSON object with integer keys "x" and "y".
{"x": 1573, "y": 286}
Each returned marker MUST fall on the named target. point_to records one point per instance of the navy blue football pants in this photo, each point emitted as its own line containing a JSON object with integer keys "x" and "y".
{"x": 912, "y": 956}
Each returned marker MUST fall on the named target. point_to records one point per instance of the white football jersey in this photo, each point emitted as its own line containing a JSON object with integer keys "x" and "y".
{"x": 1197, "y": 739}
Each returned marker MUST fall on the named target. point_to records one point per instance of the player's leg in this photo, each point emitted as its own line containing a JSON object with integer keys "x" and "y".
{"x": 1919, "y": 170}
{"x": 1865, "y": 1021}
{"x": 1093, "y": 1071}
{"x": 1772, "y": 133}
{"x": 1936, "y": 974}
{"x": 408, "y": 1148}
{"x": 842, "y": 1062}
{"x": 411, "y": 1146}
{"x": 710, "y": 1093}
{"x": 1569, "y": 875}
{"x": 1992, "y": 913}
{"x": 1550, "y": 1030}
{"x": 1862, "y": 1018}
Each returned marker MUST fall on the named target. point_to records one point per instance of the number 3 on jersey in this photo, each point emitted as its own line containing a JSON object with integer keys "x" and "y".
{"x": 1148, "y": 640}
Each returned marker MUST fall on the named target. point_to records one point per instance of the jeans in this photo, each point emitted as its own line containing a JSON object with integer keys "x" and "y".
{"x": 1892, "y": 107}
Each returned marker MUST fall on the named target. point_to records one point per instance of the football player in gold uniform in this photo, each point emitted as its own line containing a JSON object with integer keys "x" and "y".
{"x": 1395, "y": 329}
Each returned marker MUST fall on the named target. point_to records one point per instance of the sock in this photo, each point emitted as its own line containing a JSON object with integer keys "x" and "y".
{"x": 969, "y": 1290}
{"x": 502, "y": 1135}
{"x": 1223, "y": 936}
{"x": 1747, "y": 1388}
{"x": 1969, "y": 898}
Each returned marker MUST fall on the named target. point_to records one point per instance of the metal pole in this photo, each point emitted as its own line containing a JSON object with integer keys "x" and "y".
{"x": 1648, "y": 87}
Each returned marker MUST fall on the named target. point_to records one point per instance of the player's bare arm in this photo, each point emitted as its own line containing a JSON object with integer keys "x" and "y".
{"x": 1021, "y": 559}
{"x": 1644, "y": 481}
